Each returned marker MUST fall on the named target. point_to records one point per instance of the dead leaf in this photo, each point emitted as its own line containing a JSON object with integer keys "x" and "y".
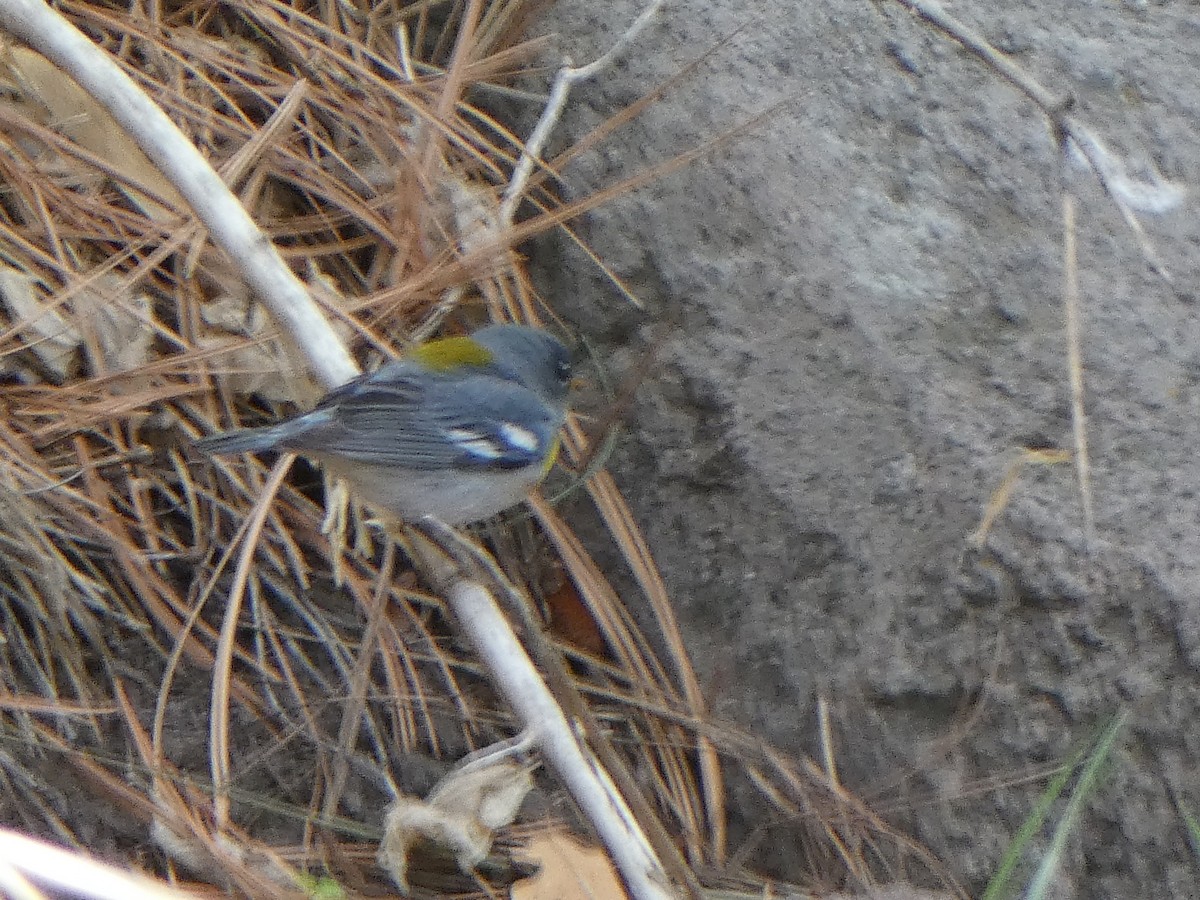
{"x": 120, "y": 324}
{"x": 259, "y": 366}
{"x": 74, "y": 113}
{"x": 569, "y": 871}
{"x": 251, "y": 354}
{"x": 49, "y": 335}
{"x": 460, "y": 814}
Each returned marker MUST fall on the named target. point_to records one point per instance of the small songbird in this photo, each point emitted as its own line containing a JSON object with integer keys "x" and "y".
{"x": 458, "y": 428}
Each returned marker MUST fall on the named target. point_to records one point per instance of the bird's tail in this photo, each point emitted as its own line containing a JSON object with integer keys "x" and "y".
{"x": 245, "y": 440}
{"x": 280, "y": 436}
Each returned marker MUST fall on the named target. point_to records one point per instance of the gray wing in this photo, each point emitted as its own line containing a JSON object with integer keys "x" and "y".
{"x": 392, "y": 418}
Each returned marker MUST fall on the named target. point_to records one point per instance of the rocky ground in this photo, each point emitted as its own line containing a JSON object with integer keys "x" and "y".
{"x": 863, "y": 294}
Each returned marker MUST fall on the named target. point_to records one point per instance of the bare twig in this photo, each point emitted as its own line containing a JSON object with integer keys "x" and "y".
{"x": 549, "y": 661}
{"x": 1001, "y": 496}
{"x": 567, "y": 77}
{"x": 232, "y": 229}
{"x": 825, "y": 729}
{"x": 1073, "y": 138}
{"x": 617, "y": 517}
{"x": 1083, "y": 472}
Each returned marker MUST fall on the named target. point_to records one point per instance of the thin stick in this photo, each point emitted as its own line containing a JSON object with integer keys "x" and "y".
{"x": 826, "y": 732}
{"x": 549, "y": 660}
{"x": 566, "y": 79}
{"x": 1071, "y": 135}
{"x": 47, "y": 31}
{"x": 1083, "y": 470}
{"x": 218, "y": 740}
{"x": 1000, "y": 498}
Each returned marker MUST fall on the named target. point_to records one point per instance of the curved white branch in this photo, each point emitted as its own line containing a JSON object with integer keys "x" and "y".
{"x": 81, "y": 875}
{"x": 564, "y": 750}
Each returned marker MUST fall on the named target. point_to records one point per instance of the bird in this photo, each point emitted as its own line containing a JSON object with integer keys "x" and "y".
{"x": 457, "y": 429}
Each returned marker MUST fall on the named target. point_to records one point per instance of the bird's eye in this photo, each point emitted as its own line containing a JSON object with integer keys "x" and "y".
{"x": 562, "y": 370}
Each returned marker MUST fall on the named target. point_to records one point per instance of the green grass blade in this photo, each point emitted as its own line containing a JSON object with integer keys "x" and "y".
{"x": 1191, "y": 823}
{"x": 1000, "y": 884}
{"x": 1088, "y": 783}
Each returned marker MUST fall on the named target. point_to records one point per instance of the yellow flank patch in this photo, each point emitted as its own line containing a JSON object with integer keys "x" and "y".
{"x": 447, "y": 354}
{"x": 551, "y": 456}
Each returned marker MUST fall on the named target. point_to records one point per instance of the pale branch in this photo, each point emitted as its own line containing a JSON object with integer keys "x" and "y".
{"x": 480, "y": 618}
{"x": 74, "y": 872}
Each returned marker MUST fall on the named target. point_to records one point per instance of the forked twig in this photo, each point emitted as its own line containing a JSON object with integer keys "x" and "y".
{"x": 1072, "y": 137}
{"x": 568, "y": 76}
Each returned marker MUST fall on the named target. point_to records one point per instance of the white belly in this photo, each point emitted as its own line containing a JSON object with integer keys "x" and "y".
{"x": 454, "y": 497}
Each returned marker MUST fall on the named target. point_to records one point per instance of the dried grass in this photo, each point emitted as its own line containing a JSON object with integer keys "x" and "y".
{"x": 345, "y": 132}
